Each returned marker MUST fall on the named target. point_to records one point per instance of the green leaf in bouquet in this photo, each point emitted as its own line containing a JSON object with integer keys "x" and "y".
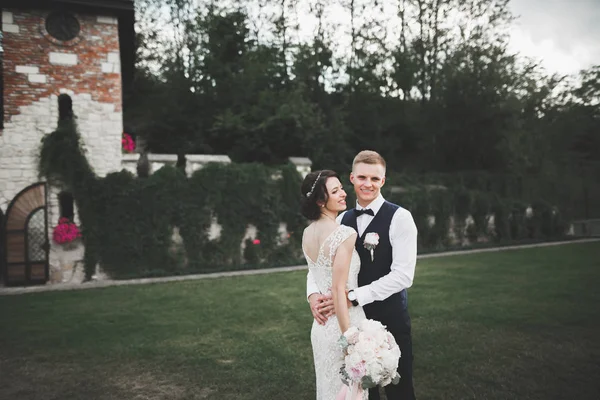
{"x": 344, "y": 375}
{"x": 343, "y": 342}
{"x": 367, "y": 383}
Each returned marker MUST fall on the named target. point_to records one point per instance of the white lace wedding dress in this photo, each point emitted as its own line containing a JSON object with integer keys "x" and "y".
{"x": 326, "y": 350}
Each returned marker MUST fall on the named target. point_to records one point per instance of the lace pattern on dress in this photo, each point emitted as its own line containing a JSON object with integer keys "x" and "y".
{"x": 336, "y": 238}
{"x": 324, "y": 338}
{"x": 322, "y": 266}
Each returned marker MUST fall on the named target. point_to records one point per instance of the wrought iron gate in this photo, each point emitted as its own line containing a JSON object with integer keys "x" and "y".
{"x": 25, "y": 237}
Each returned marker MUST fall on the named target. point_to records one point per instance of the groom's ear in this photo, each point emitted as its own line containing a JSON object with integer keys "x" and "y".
{"x": 352, "y": 178}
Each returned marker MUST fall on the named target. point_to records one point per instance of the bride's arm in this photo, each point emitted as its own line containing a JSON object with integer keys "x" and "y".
{"x": 341, "y": 267}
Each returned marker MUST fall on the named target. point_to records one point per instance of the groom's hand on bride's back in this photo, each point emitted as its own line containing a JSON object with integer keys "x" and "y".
{"x": 321, "y": 306}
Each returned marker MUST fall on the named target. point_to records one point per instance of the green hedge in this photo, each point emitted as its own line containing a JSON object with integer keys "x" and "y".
{"x": 128, "y": 221}
{"x": 511, "y": 224}
{"x": 235, "y": 195}
{"x": 573, "y": 194}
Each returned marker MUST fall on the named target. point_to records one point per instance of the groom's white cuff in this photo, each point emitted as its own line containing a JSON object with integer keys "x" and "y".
{"x": 310, "y": 294}
{"x": 364, "y": 295}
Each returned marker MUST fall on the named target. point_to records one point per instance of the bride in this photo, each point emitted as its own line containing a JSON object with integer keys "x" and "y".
{"x": 334, "y": 263}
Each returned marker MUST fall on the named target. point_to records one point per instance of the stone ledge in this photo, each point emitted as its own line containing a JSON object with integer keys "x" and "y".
{"x": 206, "y": 158}
{"x": 169, "y": 158}
{"x": 130, "y": 157}
{"x": 195, "y": 162}
{"x": 300, "y": 161}
{"x": 303, "y": 165}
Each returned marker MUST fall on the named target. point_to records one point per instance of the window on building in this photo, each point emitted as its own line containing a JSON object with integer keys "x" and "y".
{"x": 65, "y": 204}
{"x": 65, "y": 107}
{"x": 62, "y": 25}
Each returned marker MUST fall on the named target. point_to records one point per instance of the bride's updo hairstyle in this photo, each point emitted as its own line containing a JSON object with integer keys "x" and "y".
{"x": 314, "y": 192}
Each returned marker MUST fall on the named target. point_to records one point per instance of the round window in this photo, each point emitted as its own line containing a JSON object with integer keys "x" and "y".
{"x": 62, "y": 25}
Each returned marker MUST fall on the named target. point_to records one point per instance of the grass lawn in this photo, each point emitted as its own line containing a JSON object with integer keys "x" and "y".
{"x": 521, "y": 324}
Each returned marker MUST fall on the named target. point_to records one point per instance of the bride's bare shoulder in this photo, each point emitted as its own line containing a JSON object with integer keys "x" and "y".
{"x": 309, "y": 231}
{"x": 309, "y": 228}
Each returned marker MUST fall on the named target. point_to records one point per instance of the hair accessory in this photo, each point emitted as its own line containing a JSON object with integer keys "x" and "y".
{"x": 314, "y": 184}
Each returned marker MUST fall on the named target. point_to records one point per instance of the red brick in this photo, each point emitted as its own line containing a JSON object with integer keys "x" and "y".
{"x": 31, "y": 46}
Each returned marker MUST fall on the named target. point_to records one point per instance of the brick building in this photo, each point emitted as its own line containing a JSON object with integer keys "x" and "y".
{"x": 84, "y": 48}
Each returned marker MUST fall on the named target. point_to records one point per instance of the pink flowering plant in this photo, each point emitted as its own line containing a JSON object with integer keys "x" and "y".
{"x": 127, "y": 143}
{"x": 65, "y": 232}
{"x": 371, "y": 356}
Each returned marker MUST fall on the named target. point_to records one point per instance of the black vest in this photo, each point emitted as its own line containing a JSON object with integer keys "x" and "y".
{"x": 371, "y": 270}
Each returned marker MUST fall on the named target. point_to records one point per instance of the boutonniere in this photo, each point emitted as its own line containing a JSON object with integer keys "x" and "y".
{"x": 371, "y": 241}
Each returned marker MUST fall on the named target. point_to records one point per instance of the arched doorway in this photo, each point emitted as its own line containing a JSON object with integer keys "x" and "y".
{"x": 25, "y": 237}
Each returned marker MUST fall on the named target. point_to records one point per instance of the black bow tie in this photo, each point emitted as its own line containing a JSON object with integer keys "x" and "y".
{"x": 364, "y": 211}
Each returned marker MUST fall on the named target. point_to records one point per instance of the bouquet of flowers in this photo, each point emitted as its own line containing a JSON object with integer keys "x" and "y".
{"x": 371, "y": 356}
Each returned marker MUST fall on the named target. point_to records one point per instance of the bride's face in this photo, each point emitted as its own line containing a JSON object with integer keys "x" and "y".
{"x": 337, "y": 195}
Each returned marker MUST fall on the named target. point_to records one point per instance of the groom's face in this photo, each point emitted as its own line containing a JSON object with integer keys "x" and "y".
{"x": 367, "y": 180}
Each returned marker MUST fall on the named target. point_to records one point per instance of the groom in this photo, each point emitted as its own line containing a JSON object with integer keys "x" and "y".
{"x": 383, "y": 278}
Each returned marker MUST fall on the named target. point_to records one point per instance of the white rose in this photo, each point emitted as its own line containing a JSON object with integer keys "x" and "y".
{"x": 372, "y": 238}
{"x": 371, "y": 326}
{"x": 370, "y": 343}
{"x": 351, "y": 331}
{"x": 375, "y": 370}
{"x": 396, "y": 351}
{"x": 380, "y": 337}
{"x": 390, "y": 361}
{"x": 352, "y": 335}
{"x": 367, "y": 353}
{"x": 362, "y": 337}
{"x": 362, "y": 346}
{"x": 353, "y": 360}
{"x": 390, "y": 339}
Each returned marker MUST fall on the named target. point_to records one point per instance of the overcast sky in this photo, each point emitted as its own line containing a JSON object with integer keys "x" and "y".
{"x": 564, "y": 34}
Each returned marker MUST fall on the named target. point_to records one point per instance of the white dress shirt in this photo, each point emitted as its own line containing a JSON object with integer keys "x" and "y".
{"x": 403, "y": 238}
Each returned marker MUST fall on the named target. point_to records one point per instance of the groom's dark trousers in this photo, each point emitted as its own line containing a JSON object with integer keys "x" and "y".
{"x": 393, "y": 311}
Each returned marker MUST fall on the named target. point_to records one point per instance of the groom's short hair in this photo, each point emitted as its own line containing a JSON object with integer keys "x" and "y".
{"x": 368, "y": 157}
